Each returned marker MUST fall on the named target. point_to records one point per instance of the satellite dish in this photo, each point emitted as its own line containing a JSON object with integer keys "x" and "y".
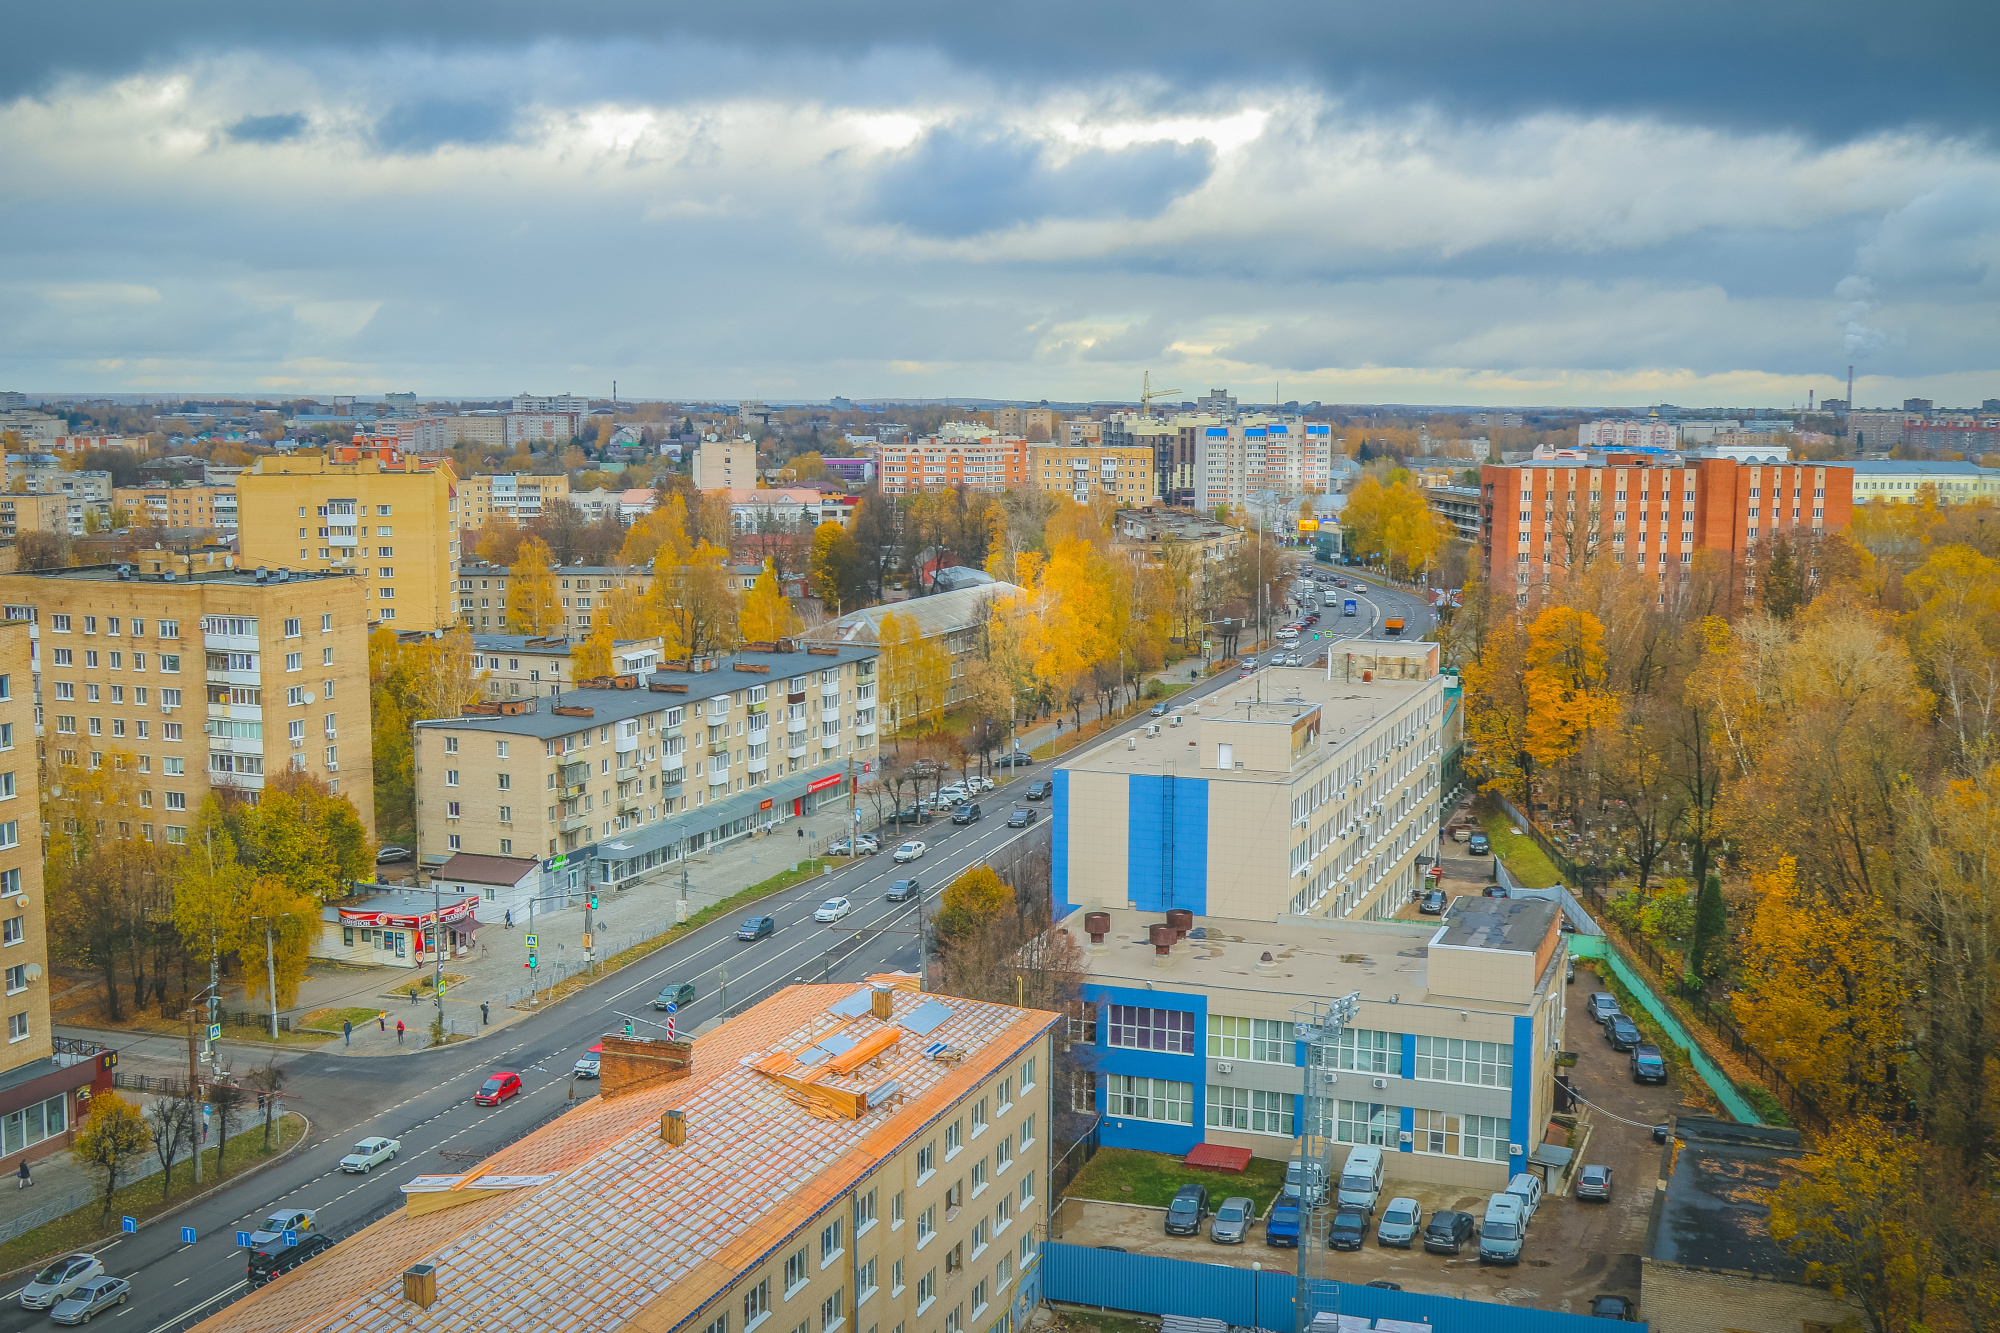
{"x": 309, "y": 696}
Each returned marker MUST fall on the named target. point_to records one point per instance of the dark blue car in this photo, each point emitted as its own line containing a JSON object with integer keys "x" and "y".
{"x": 1622, "y": 1033}
{"x": 1647, "y": 1066}
{"x": 756, "y": 928}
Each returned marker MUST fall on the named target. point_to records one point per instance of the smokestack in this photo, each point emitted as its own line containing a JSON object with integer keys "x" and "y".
{"x": 674, "y": 1126}
{"x": 880, "y": 1005}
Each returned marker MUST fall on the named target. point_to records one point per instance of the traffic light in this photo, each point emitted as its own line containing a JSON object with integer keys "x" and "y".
{"x": 531, "y": 960}
{"x": 593, "y": 900}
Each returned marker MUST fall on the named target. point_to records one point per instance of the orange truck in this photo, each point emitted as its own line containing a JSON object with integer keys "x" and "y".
{"x": 1394, "y": 625}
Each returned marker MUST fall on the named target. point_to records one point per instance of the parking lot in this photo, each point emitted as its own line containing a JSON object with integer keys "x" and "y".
{"x": 1574, "y": 1250}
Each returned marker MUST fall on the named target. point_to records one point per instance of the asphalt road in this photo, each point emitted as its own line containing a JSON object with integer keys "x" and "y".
{"x": 1376, "y": 602}
{"x": 424, "y": 1099}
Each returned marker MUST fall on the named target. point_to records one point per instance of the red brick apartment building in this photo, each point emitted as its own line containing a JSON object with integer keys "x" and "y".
{"x": 1652, "y": 511}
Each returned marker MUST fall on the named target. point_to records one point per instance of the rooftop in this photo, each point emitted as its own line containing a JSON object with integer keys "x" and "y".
{"x": 1516, "y": 924}
{"x": 537, "y": 645}
{"x": 940, "y": 613}
{"x": 129, "y": 573}
{"x": 596, "y": 1221}
{"x": 655, "y": 691}
{"x": 1712, "y": 1214}
{"x": 1904, "y": 467}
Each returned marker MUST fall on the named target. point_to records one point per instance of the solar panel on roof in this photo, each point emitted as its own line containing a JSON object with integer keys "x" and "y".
{"x": 853, "y": 1006}
{"x": 925, "y": 1018}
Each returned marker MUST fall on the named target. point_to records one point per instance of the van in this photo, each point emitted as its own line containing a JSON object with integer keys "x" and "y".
{"x": 1527, "y": 1187}
{"x": 1500, "y": 1231}
{"x": 1305, "y": 1174}
{"x": 1361, "y": 1178}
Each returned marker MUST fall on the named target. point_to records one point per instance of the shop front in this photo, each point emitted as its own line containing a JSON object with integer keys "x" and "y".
{"x": 397, "y": 928}
{"x": 43, "y": 1101}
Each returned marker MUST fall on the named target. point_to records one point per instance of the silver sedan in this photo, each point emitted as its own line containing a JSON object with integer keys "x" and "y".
{"x": 93, "y": 1297}
{"x": 1232, "y": 1221}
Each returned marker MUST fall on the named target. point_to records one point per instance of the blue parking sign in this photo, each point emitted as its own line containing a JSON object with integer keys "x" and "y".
{"x": 187, "y": 1235}
{"x": 129, "y": 1224}
{"x": 291, "y": 1237}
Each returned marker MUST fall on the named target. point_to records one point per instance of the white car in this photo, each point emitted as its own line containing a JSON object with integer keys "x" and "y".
{"x": 371, "y": 1153}
{"x": 909, "y": 852}
{"x": 833, "y": 909}
{"x": 587, "y": 1067}
{"x": 58, "y": 1279}
{"x": 982, "y": 784}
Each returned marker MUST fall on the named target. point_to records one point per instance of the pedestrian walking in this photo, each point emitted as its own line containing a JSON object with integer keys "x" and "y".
{"x": 347, "y": 1031}
{"x": 802, "y": 831}
{"x": 22, "y": 1174}
{"x": 399, "y": 1032}
{"x": 413, "y": 995}
{"x": 484, "y": 1017}
{"x": 510, "y": 918}
{"x": 382, "y": 1020}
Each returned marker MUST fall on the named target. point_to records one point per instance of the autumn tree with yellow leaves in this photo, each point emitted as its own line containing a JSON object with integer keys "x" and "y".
{"x": 534, "y": 607}
{"x": 767, "y": 614}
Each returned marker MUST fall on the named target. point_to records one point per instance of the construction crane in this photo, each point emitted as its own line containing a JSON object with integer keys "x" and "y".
{"x": 1147, "y": 393}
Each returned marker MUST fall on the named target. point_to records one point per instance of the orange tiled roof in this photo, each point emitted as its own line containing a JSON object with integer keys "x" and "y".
{"x": 629, "y": 1231}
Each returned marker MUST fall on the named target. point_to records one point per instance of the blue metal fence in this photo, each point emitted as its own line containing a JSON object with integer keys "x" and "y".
{"x": 1152, "y": 1284}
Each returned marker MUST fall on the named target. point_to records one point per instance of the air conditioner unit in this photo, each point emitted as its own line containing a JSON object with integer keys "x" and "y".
{"x": 1223, "y": 1067}
{"x": 1332, "y": 1077}
{"x": 1381, "y": 1083}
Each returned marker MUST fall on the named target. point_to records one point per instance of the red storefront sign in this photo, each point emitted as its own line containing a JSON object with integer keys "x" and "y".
{"x": 821, "y": 784}
{"x": 458, "y": 911}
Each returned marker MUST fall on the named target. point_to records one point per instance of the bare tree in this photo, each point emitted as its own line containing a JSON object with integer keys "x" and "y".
{"x": 171, "y": 1120}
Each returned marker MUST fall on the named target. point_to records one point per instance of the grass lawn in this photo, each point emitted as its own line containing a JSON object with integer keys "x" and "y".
{"x": 784, "y": 879}
{"x": 1123, "y": 1175}
{"x": 401, "y": 991}
{"x": 82, "y": 1228}
{"x": 329, "y": 1020}
{"x": 1524, "y": 857}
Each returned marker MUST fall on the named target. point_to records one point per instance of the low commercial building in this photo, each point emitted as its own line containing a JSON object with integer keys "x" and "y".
{"x": 518, "y": 665}
{"x": 1908, "y": 481}
{"x": 1288, "y": 794}
{"x": 1448, "y": 1064}
{"x": 383, "y": 926}
{"x": 283, "y": 680}
{"x": 841, "y": 1157}
{"x": 632, "y": 773}
{"x": 788, "y": 508}
{"x": 499, "y": 887}
{"x": 1709, "y": 1263}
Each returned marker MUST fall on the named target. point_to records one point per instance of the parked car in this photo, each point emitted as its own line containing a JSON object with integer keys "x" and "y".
{"x": 1461, "y": 833}
{"x": 978, "y": 783}
{"x": 1569, "y": 976}
{"x": 1447, "y": 1231}
{"x": 1014, "y": 760}
{"x": 676, "y": 995}
{"x": 268, "y": 1261}
{"x": 1384, "y": 1284}
{"x": 1401, "y": 1221}
{"x": 371, "y": 1153}
{"x": 1348, "y": 1227}
{"x": 861, "y": 844}
{"x": 905, "y": 889}
{"x": 1188, "y": 1210}
{"x": 833, "y": 909}
{"x": 93, "y": 1297}
{"x": 498, "y": 1087}
{"x": 1502, "y": 1231}
{"x": 1648, "y": 1066}
{"x": 1622, "y": 1033}
{"x": 1594, "y": 1182}
{"x": 275, "y": 1226}
{"x": 1613, "y": 1307}
{"x": 1022, "y": 817}
{"x": 1281, "y": 1224}
{"x": 969, "y": 813}
{"x": 1039, "y": 791}
{"x": 1601, "y": 1005}
{"x": 1432, "y": 903}
{"x": 1478, "y": 845}
{"x": 756, "y": 927}
{"x": 909, "y": 851}
{"x": 1157, "y": 710}
{"x": 1232, "y": 1221}
{"x": 392, "y": 854}
{"x": 58, "y": 1279}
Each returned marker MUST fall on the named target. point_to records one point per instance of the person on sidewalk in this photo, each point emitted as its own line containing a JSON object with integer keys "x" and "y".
{"x": 399, "y": 1032}
{"x": 484, "y": 1017}
{"x": 347, "y": 1031}
{"x": 23, "y": 1176}
{"x": 382, "y": 1020}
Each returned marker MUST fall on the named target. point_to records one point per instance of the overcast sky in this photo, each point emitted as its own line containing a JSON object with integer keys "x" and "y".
{"x": 1450, "y": 201}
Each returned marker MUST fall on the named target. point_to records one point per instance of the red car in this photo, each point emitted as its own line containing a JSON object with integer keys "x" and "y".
{"x": 497, "y": 1088}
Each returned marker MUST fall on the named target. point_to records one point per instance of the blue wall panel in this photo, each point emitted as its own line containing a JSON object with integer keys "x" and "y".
{"x": 1151, "y": 1135}
{"x": 1059, "y": 853}
{"x": 1524, "y": 1073}
{"x": 1166, "y": 843}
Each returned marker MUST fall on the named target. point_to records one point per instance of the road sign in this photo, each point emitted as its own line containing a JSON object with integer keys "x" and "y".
{"x": 291, "y": 1236}
{"x": 532, "y": 941}
{"x": 187, "y": 1235}
{"x": 128, "y": 1224}
{"x": 242, "y": 1240}
{"x": 672, "y": 1007}
{"x": 586, "y": 939}
{"x": 215, "y": 1032}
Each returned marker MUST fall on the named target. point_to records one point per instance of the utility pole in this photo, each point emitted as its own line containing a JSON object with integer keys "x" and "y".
{"x": 194, "y": 1084}
{"x": 437, "y": 949}
{"x": 271, "y": 978}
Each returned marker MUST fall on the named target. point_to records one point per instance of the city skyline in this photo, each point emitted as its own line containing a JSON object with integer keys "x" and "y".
{"x": 1439, "y": 207}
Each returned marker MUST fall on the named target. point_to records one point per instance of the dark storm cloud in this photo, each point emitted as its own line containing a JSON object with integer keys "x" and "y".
{"x": 427, "y": 125}
{"x": 957, "y": 182}
{"x": 267, "y": 129}
{"x": 1831, "y": 68}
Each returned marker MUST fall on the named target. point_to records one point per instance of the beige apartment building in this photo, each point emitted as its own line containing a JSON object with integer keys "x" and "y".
{"x": 210, "y": 680}
{"x": 884, "y": 1155}
{"x": 515, "y": 666}
{"x": 177, "y": 506}
{"x": 726, "y": 465}
{"x": 584, "y": 589}
{"x": 23, "y": 512}
{"x": 395, "y": 529}
{"x": 666, "y": 763}
{"x": 517, "y": 497}
{"x": 1080, "y": 472}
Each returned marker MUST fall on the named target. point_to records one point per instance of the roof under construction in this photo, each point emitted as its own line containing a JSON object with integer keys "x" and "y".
{"x": 602, "y": 1220}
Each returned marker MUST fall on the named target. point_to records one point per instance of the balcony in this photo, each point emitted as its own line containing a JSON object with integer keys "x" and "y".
{"x": 796, "y": 750}
{"x": 830, "y": 691}
{"x": 718, "y": 777}
{"x": 757, "y": 765}
{"x": 573, "y": 823}
{"x": 830, "y": 714}
{"x": 865, "y": 729}
{"x": 795, "y": 725}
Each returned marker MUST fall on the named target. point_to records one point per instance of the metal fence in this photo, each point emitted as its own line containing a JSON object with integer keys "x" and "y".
{"x": 549, "y": 975}
{"x": 1244, "y": 1298}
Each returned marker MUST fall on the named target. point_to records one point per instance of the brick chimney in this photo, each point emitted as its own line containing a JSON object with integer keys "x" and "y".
{"x": 627, "y": 1064}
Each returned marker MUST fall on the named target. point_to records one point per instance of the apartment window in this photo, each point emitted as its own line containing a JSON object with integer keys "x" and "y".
{"x": 17, "y": 979}
{"x": 978, "y": 1294}
{"x": 1027, "y": 1131}
{"x": 292, "y": 627}
{"x": 11, "y": 930}
{"x": 954, "y": 1139}
{"x": 502, "y": 749}
{"x": 1250, "y": 1109}
{"x": 896, "y": 1278}
{"x": 1027, "y": 1078}
{"x": 295, "y": 694}
{"x": 756, "y": 1305}
{"x": 979, "y": 1177}
{"x": 325, "y": 626}
{"x": 295, "y": 661}
{"x": 17, "y": 1027}
{"x": 926, "y": 1290}
{"x": 59, "y": 624}
{"x": 795, "y": 1273}
{"x": 1486, "y": 1064}
{"x": 451, "y": 810}
{"x": 926, "y": 1223}
{"x": 506, "y": 814}
{"x": 173, "y": 767}
{"x": 1027, "y": 1189}
{"x": 864, "y": 1282}
{"x": 830, "y": 1247}
{"x": 177, "y": 800}
{"x": 830, "y": 1316}
{"x": 451, "y": 777}
{"x": 719, "y": 1324}
{"x": 1135, "y": 1097}
{"x": 1259, "y": 1040}
{"x": 1152, "y": 1029}
{"x": 1364, "y": 1122}
{"x": 1003, "y": 1154}
{"x": 453, "y": 843}
{"x": 896, "y": 1211}
{"x": 864, "y": 1213}
{"x": 1481, "y": 1137}
{"x": 169, "y": 699}
{"x": 65, "y": 657}
{"x": 979, "y": 1117}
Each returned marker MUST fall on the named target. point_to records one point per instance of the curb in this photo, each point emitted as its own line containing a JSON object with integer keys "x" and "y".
{"x": 186, "y": 1203}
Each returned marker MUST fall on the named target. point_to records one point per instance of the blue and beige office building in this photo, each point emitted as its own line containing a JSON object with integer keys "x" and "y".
{"x": 1283, "y": 827}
